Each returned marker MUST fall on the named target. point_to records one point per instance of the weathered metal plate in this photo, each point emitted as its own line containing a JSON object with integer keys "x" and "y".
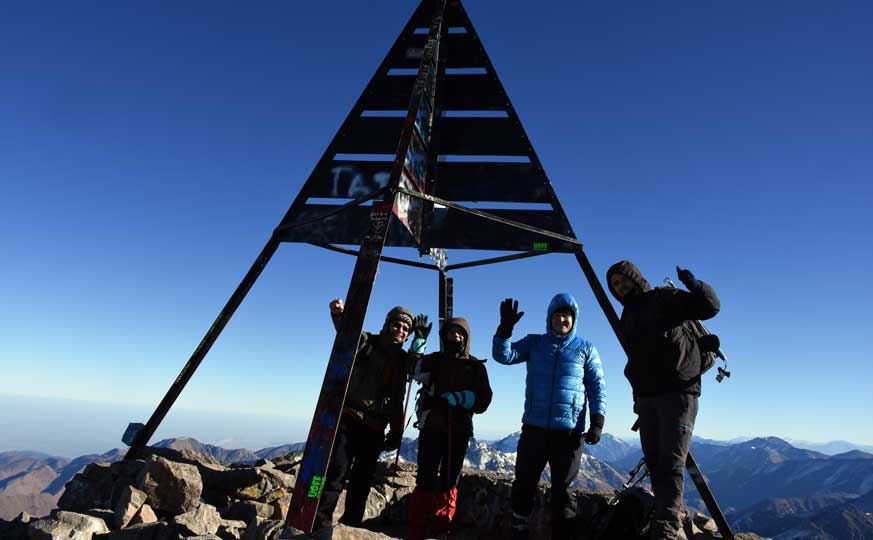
{"x": 450, "y": 229}
{"x": 479, "y": 92}
{"x": 496, "y": 182}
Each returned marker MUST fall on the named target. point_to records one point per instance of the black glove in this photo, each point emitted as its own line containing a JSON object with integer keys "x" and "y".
{"x": 392, "y": 440}
{"x": 421, "y": 327}
{"x": 575, "y": 438}
{"x": 592, "y": 436}
{"x": 687, "y": 278}
{"x": 509, "y": 316}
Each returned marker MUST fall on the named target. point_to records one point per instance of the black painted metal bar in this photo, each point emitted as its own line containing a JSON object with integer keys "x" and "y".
{"x": 492, "y": 217}
{"x": 316, "y": 457}
{"x": 708, "y": 498}
{"x": 450, "y": 297}
{"x": 505, "y": 258}
{"x": 146, "y": 433}
{"x": 441, "y": 292}
{"x": 601, "y": 297}
{"x": 384, "y": 258}
{"x": 325, "y": 420}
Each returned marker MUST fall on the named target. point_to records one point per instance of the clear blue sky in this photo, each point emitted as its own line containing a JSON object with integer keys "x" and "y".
{"x": 148, "y": 150}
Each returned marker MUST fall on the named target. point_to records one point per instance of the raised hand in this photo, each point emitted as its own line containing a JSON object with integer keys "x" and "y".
{"x": 421, "y": 327}
{"x": 336, "y": 307}
{"x": 686, "y": 277}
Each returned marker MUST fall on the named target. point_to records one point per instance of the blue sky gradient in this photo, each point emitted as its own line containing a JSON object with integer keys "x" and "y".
{"x": 147, "y": 152}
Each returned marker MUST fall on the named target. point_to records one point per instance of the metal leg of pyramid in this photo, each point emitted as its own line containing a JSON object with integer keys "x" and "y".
{"x": 319, "y": 445}
{"x": 446, "y": 286}
{"x": 690, "y": 463}
{"x": 146, "y": 433}
{"x": 708, "y": 498}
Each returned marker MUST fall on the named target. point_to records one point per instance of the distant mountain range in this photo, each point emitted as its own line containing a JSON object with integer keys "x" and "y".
{"x": 764, "y": 485}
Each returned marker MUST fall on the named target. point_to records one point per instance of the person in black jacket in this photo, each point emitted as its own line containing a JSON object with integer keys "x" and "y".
{"x": 374, "y": 401}
{"x": 454, "y": 387}
{"x": 663, "y": 367}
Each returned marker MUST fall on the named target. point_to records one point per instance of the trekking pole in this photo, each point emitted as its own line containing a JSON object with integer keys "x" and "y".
{"x": 403, "y": 424}
{"x": 450, "y": 471}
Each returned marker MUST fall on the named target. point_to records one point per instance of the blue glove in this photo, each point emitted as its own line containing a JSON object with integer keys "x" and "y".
{"x": 464, "y": 398}
{"x": 687, "y": 278}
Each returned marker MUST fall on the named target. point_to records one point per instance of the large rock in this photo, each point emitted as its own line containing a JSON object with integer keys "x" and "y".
{"x": 260, "y": 529}
{"x": 248, "y": 510}
{"x": 172, "y": 488}
{"x": 202, "y": 520}
{"x": 99, "y": 485}
{"x": 254, "y": 484}
{"x": 129, "y": 503}
{"x": 66, "y": 526}
{"x": 150, "y": 531}
{"x": 15, "y": 529}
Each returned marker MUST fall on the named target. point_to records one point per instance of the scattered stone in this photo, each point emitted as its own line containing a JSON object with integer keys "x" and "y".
{"x": 231, "y": 529}
{"x": 172, "y": 488}
{"x": 129, "y": 503}
{"x": 67, "y": 526}
{"x": 248, "y": 510}
{"x": 108, "y": 516}
{"x": 264, "y": 529}
{"x": 145, "y": 516}
{"x": 151, "y": 531}
{"x": 202, "y": 520}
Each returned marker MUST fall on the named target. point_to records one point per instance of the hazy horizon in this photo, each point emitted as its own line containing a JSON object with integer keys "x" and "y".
{"x": 83, "y": 427}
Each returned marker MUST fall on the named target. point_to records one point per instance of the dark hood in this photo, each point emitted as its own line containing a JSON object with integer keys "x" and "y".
{"x": 457, "y": 321}
{"x": 630, "y": 271}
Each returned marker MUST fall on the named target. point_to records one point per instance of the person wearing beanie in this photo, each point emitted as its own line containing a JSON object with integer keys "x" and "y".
{"x": 564, "y": 378}
{"x": 664, "y": 368}
{"x": 374, "y": 401}
{"x": 454, "y": 387}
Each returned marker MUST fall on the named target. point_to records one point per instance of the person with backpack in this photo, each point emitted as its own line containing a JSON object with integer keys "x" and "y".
{"x": 664, "y": 365}
{"x": 454, "y": 387}
{"x": 374, "y": 400}
{"x": 564, "y": 378}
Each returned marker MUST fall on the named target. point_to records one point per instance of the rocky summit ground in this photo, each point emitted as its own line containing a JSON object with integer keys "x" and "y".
{"x": 174, "y": 494}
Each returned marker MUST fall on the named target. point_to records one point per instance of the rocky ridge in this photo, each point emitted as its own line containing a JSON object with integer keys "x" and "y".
{"x": 174, "y": 495}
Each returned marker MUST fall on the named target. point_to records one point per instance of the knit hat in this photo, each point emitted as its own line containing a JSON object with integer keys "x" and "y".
{"x": 399, "y": 313}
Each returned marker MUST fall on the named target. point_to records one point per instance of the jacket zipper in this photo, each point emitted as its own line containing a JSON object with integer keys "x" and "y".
{"x": 552, "y": 390}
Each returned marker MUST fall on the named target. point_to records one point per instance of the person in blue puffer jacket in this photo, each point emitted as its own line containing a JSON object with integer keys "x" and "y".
{"x": 564, "y": 378}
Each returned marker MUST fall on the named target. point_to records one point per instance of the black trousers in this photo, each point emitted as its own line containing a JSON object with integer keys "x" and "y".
{"x": 355, "y": 456}
{"x": 536, "y": 447}
{"x": 440, "y": 458}
{"x": 666, "y": 426}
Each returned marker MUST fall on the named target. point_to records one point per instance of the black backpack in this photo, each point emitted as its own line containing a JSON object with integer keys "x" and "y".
{"x": 627, "y": 517}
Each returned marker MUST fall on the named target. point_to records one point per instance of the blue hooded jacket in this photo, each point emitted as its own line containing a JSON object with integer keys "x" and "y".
{"x": 564, "y": 374}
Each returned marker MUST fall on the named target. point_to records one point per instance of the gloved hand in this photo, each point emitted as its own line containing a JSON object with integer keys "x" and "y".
{"x": 421, "y": 327}
{"x": 464, "y": 398}
{"x": 592, "y": 436}
{"x": 392, "y": 440}
{"x": 576, "y": 438}
{"x": 509, "y": 316}
{"x": 687, "y": 278}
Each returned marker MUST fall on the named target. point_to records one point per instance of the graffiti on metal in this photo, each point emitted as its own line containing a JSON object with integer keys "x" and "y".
{"x": 352, "y": 183}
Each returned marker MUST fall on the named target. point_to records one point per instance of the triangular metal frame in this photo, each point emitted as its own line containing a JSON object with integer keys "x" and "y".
{"x": 387, "y": 179}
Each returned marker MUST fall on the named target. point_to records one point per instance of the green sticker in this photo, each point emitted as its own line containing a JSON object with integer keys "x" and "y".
{"x": 316, "y": 487}
{"x": 541, "y": 246}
